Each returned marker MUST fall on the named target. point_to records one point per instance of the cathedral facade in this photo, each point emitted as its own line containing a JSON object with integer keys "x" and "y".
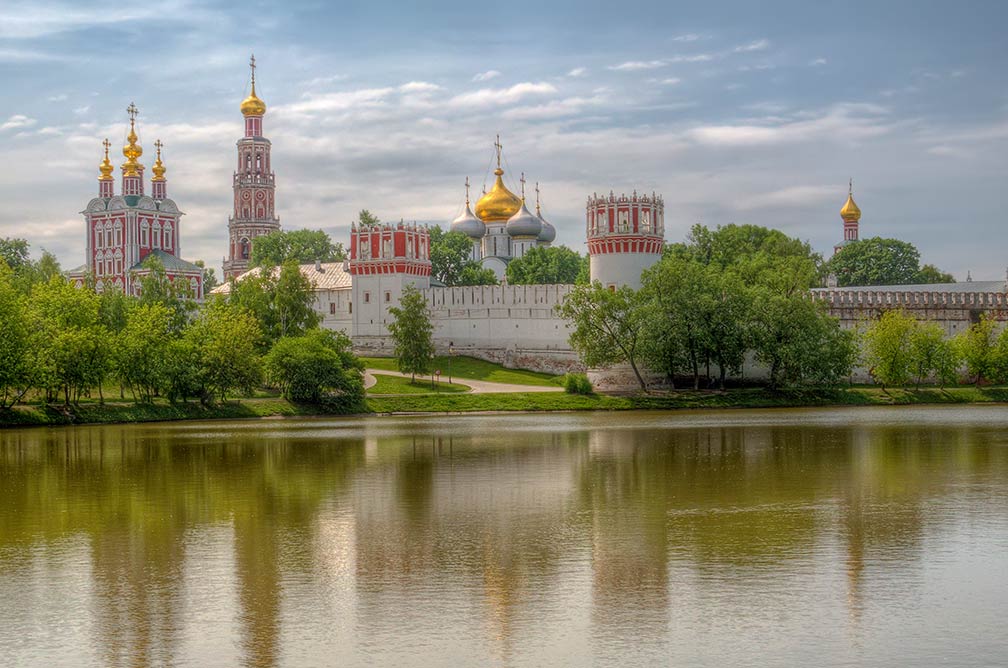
{"x": 122, "y": 231}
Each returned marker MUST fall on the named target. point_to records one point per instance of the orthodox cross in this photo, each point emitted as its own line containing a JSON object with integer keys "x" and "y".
{"x": 467, "y": 191}
{"x": 252, "y": 65}
{"x": 522, "y": 179}
{"x": 106, "y": 144}
{"x": 499, "y": 147}
{"x": 537, "y": 197}
{"x": 132, "y": 111}
{"x": 158, "y": 145}
{"x": 850, "y": 187}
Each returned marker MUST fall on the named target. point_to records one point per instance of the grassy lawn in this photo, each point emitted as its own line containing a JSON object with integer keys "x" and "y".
{"x": 474, "y": 369}
{"x": 90, "y": 412}
{"x": 399, "y": 385}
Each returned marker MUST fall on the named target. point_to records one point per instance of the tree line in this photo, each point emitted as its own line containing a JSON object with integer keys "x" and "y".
{"x": 61, "y": 343}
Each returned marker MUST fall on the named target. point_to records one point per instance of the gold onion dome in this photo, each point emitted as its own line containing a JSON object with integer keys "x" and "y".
{"x": 132, "y": 150}
{"x": 158, "y": 167}
{"x": 252, "y": 105}
{"x": 499, "y": 204}
{"x": 850, "y": 211}
{"x": 106, "y": 165}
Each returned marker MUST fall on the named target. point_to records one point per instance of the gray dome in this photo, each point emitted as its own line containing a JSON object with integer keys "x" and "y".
{"x": 548, "y": 233}
{"x": 524, "y": 224}
{"x": 469, "y": 225}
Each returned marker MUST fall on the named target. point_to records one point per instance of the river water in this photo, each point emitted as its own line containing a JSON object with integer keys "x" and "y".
{"x": 735, "y": 538}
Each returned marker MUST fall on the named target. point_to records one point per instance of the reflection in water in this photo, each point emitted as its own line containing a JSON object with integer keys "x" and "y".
{"x": 827, "y": 537}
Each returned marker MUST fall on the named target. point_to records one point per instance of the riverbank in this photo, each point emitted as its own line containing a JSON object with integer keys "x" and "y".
{"x": 126, "y": 412}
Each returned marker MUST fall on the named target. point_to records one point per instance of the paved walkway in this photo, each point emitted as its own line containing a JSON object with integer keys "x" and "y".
{"x": 477, "y": 386}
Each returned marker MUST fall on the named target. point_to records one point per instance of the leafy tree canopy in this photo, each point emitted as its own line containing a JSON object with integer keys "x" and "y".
{"x": 548, "y": 265}
{"x": 451, "y": 260}
{"x": 301, "y": 246}
{"x": 412, "y": 333}
{"x": 280, "y": 299}
{"x": 317, "y": 366}
{"x": 367, "y": 219}
{"x": 878, "y": 261}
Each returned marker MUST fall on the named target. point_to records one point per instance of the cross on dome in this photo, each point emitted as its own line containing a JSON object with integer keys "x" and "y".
{"x": 132, "y": 111}
{"x": 467, "y": 191}
{"x": 498, "y": 145}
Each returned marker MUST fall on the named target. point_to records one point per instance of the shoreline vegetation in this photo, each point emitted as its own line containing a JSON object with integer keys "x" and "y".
{"x": 114, "y": 412}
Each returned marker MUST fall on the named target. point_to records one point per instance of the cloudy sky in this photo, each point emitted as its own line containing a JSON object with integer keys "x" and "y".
{"x": 734, "y": 111}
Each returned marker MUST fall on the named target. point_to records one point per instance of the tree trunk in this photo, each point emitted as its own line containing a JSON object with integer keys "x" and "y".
{"x": 640, "y": 379}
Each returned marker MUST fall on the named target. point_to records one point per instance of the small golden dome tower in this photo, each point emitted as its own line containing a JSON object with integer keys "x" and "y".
{"x": 252, "y": 105}
{"x": 158, "y": 168}
{"x": 132, "y": 150}
{"x": 106, "y": 165}
{"x": 850, "y": 211}
{"x": 500, "y": 203}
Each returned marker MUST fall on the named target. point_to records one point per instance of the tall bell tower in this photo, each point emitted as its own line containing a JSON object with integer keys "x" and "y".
{"x": 254, "y": 187}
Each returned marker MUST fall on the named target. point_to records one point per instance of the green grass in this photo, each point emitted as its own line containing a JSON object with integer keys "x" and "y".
{"x": 123, "y": 412}
{"x": 398, "y": 385}
{"x": 473, "y": 369}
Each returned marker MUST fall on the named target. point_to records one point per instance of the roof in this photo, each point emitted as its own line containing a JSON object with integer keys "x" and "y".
{"x": 328, "y": 276}
{"x": 965, "y": 286}
{"x": 170, "y": 262}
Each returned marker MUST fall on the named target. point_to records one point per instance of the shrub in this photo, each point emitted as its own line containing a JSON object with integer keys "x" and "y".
{"x": 577, "y": 383}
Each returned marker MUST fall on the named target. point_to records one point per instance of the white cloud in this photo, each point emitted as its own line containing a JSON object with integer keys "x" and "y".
{"x": 61, "y": 97}
{"x": 486, "y": 76}
{"x": 50, "y": 131}
{"x": 671, "y": 81}
{"x": 794, "y": 196}
{"x": 817, "y": 62}
{"x": 339, "y": 101}
{"x": 17, "y": 121}
{"x": 635, "y": 65}
{"x": 419, "y": 87}
{"x": 553, "y": 109}
{"x": 841, "y": 122}
{"x": 578, "y": 72}
{"x": 80, "y": 111}
{"x": 486, "y": 96}
{"x": 757, "y": 45}
{"x": 689, "y": 37}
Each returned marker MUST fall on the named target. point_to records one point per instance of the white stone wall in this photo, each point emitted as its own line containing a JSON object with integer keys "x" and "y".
{"x": 333, "y": 306}
{"x": 619, "y": 269}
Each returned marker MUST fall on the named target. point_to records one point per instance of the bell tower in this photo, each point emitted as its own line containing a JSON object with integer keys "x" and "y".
{"x": 254, "y": 185}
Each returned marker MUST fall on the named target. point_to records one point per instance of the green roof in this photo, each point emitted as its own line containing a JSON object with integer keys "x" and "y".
{"x": 170, "y": 262}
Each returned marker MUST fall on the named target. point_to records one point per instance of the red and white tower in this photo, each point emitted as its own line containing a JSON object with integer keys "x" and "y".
{"x": 384, "y": 259}
{"x": 851, "y": 215}
{"x": 626, "y": 235}
{"x": 123, "y": 231}
{"x": 254, "y": 187}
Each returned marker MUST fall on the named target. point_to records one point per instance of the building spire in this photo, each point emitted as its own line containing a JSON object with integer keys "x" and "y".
{"x": 252, "y": 105}
{"x": 106, "y": 165}
{"x": 132, "y": 150}
{"x": 158, "y": 168}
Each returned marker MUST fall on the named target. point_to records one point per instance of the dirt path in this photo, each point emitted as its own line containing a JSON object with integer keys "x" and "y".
{"x": 478, "y": 386}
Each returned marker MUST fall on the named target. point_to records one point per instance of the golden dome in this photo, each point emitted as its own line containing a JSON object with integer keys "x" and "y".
{"x": 252, "y": 105}
{"x": 132, "y": 150}
{"x": 158, "y": 167}
{"x": 106, "y": 165}
{"x": 850, "y": 211}
{"x": 499, "y": 204}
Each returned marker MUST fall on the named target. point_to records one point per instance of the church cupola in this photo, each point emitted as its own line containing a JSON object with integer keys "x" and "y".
{"x": 132, "y": 170}
{"x": 105, "y": 180}
{"x": 548, "y": 233}
{"x": 851, "y": 215}
{"x": 253, "y": 108}
{"x": 467, "y": 223}
{"x": 158, "y": 181}
{"x": 499, "y": 204}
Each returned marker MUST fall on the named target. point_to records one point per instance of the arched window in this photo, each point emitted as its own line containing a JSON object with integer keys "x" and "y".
{"x": 118, "y": 233}
{"x": 97, "y": 237}
{"x": 168, "y": 236}
{"x": 248, "y": 162}
{"x": 624, "y": 221}
{"x": 244, "y": 249}
{"x": 645, "y": 221}
{"x": 144, "y": 234}
{"x": 258, "y": 161}
{"x": 156, "y": 235}
{"x": 108, "y": 234}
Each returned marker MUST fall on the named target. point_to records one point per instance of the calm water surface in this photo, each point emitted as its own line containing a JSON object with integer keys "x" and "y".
{"x": 738, "y": 538}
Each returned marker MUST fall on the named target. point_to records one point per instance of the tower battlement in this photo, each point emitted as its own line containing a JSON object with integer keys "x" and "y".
{"x": 626, "y": 234}
{"x": 402, "y": 248}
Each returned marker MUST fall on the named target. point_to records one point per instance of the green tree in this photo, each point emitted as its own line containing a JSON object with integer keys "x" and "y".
{"x": 545, "y": 265}
{"x": 70, "y": 346}
{"x": 673, "y": 335}
{"x": 15, "y": 252}
{"x": 141, "y": 349}
{"x": 113, "y": 307}
{"x": 606, "y": 326}
{"x": 366, "y": 219}
{"x": 280, "y": 299}
{"x": 209, "y": 276}
{"x": 299, "y": 246}
{"x": 932, "y": 354}
{"x": 451, "y": 260}
{"x": 977, "y": 346}
{"x": 931, "y": 274}
{"x": 15, "y": 341}
{"x": 412, "y": 333}
{"x": 317, "y": 366}
{"x": 879, "y": 261}
{"x": 156, "y": 287}
{"x": 889, "y": 351}
{"x": 182, "y": 369}
{"x": 227, "y": 339}
{"x": 731, "y": 244}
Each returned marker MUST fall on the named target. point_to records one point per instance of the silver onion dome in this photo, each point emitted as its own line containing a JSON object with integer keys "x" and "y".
{"x": 523, "y": 224}
{"x": 548, "y": 233}
{"x": 469, "y": 225}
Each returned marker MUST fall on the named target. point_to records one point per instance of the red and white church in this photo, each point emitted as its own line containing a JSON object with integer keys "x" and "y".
{"x": 123, "y": 231}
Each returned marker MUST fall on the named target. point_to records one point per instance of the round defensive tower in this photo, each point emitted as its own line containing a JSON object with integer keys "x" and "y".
{"x": 625, "y": 236}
